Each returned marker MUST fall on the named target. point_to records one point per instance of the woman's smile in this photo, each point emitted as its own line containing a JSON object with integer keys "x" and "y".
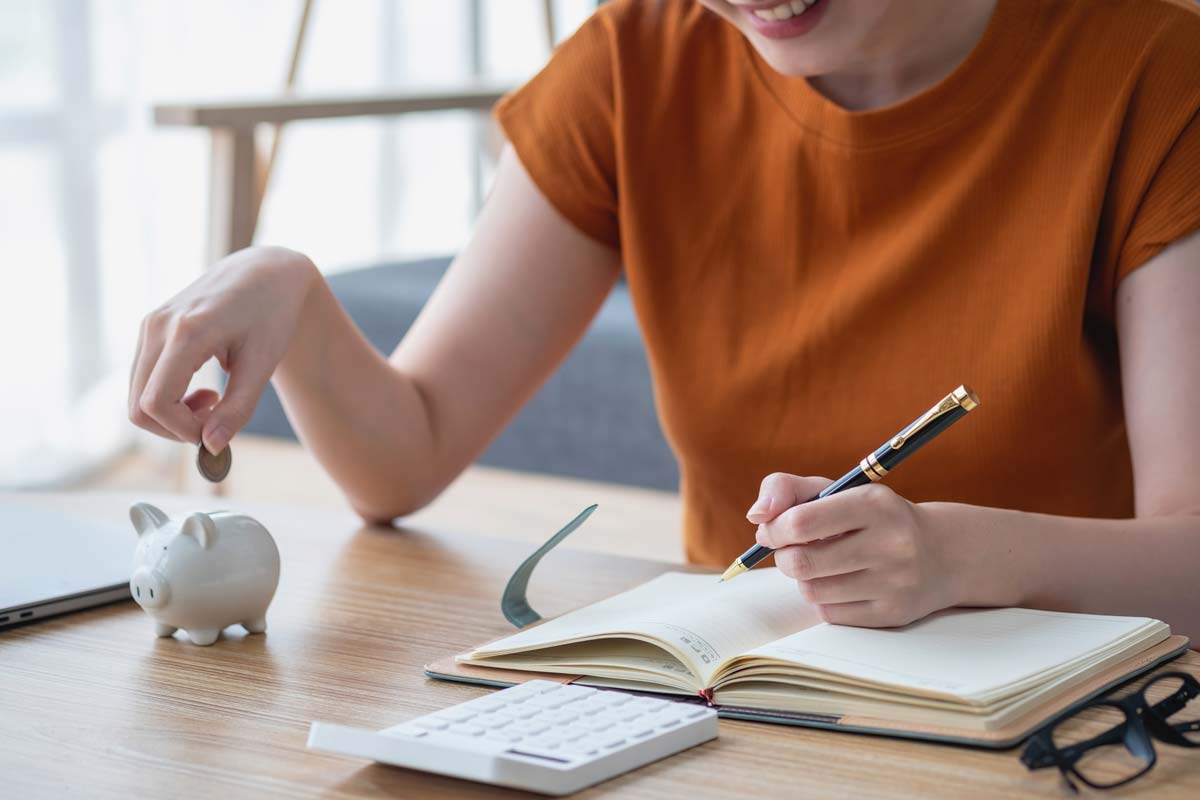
{"x": 783, "y": 19}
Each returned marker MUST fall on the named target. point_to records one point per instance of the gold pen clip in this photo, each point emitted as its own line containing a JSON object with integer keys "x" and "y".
{"x": 962, "y": 397}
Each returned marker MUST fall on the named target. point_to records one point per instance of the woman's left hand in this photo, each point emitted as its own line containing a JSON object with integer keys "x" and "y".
{"x": 865, "y": 556}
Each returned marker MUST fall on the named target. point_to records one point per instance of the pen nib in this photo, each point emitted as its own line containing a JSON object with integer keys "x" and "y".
{"x": 735, "y": 569}
{"x": 720, "y": 580}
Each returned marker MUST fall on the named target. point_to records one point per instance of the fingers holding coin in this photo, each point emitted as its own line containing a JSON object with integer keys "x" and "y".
{"x": 201, "y": 402}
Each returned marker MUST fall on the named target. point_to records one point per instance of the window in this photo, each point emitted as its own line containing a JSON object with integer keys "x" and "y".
{"x": 103, "y": 215}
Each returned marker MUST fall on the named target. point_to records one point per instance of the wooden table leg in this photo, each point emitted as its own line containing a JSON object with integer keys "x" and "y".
{"x": 233, "y": 207}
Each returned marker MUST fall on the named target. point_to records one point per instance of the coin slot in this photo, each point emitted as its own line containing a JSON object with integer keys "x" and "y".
{"x": 151, "y": 594}
{"x": 4, "y": 619}
{"x": 25, "y": 614}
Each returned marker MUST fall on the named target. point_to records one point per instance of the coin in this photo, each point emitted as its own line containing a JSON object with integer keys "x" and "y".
{"x": 214, "y": 468}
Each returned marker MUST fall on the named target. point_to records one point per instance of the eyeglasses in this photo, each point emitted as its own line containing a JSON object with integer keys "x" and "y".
{"x": 1109, "y": 743}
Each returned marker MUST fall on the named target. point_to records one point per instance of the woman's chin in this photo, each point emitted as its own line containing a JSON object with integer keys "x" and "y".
{"x": 787, "y": 58}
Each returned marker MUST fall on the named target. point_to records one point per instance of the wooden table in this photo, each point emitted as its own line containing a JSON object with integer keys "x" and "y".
{"x": 93, "y": 705}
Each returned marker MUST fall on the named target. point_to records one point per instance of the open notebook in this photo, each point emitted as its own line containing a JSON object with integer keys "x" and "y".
{"x": 988, "y": 675}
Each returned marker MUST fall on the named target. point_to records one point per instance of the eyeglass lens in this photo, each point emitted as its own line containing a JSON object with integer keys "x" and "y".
{"x": 1123, "y": 755}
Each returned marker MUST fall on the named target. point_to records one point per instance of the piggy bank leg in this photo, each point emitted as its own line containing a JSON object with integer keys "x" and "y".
{"x": 164, "y": 630}
{"x": 256, "y": 625}
{"x": 204, "y": 637}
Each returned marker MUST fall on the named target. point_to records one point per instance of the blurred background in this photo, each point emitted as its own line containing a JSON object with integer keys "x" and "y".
{"x": 116, "y": 191}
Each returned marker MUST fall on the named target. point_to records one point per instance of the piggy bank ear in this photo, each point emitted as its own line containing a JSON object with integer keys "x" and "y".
{"x": 201, "y": 528}
{"x": 146, "y": 517}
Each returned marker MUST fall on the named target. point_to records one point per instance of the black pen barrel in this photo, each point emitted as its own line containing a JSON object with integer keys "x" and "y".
{"x": 878, "y": 464}
{"x": 855, "y": 477}
{"x": 754, "y": 555}
{"x": 889, "y": 455}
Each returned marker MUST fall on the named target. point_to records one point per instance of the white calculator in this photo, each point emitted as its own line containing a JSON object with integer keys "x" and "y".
{"x": 540, "y": 736}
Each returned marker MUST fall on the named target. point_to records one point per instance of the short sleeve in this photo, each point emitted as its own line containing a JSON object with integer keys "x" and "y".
{"x": 1169, "y": 208}
{"x": 562, "y": 126}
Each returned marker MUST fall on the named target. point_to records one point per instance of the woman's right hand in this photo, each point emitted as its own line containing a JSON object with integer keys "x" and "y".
{"x": 244, "y": 312}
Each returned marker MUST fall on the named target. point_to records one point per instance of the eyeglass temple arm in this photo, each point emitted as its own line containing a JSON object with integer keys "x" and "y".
{"x": 1176, "y": 701}
{"x": 1037, "y": 755}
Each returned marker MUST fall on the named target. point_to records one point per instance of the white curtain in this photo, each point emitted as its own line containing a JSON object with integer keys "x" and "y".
{"x": 102, "y": 215}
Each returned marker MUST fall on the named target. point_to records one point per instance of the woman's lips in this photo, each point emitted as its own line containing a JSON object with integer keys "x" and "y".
{"x": 784, "y": 22}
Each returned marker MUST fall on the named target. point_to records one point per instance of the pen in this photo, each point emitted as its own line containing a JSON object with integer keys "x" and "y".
{"x": 879, "y": 463}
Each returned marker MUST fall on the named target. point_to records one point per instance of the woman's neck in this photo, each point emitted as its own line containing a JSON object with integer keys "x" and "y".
{"x": 924, "y": 42}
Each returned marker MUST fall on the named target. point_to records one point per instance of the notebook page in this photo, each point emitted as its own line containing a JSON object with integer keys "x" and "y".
{"x": 965, "y": 653}
{"x": 702, "y": 622}
{"x": 615, "y": 659}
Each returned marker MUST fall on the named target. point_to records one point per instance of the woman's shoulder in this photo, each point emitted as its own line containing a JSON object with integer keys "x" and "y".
{"x": 1137, "y": 34}
{"x": 1136, "y": 60}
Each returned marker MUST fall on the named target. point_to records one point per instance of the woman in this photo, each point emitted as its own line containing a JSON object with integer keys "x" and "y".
{"x": 829, "y": 213}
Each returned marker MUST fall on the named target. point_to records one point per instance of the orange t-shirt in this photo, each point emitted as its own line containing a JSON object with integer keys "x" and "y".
{"x": 809, "y": 279}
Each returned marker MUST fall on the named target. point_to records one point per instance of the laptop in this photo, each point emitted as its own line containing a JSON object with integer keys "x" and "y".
{"x": 52, "y": 562}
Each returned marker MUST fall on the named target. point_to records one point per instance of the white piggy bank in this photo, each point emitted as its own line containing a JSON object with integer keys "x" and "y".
{"x": 204, "y": 572}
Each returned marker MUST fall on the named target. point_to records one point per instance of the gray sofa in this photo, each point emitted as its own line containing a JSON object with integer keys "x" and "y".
{"x": 594, "y": 418}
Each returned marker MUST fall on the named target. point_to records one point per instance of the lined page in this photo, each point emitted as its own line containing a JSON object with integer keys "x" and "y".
{"x": 973, "y": 654}
{"x": 702, "y": 622}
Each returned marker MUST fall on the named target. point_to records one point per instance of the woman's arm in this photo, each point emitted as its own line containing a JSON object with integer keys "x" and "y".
{"x": 905, "y": 560}
{"x": 394, "y": 432}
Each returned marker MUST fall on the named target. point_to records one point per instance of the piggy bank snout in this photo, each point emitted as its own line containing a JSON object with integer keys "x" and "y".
{"x": 149, "y": 588}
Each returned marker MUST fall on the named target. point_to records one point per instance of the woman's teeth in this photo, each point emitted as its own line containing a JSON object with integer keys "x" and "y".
{"x": 784, "y": 10}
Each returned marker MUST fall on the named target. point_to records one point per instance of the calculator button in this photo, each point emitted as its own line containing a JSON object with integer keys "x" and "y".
{"x": 541, "y": 743}
{"x": 409, "y": 731}
{"x": 549, "y": 701}
{"x": 465, "y": 729}
{"x": 572, "y": 732}
{"x": 455, "y": 714}
{"x": 672, "y": 711}
{"x": 610, "y": 742}
{"x": 642, "y": 731}
{"x": 559, "y": 717}
{"x": 431, "y": 723}
{"x": 581, "y": 747}
{"x": 649, "y": 703}
{"x": 531, "y": 727}
{"x": 695, "y": 712}
{"x": 486, "y": 704}
{"x": 577, "y": 692}
{"x": 492, "y": 720}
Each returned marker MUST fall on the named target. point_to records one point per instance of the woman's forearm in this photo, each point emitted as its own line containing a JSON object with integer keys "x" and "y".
{"x": 1147, "y": 566}
{"x": 363, "y": 419}
{"x": 394, "y": 432}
